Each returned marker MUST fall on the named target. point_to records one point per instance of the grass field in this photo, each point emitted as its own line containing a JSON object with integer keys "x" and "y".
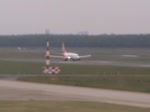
{"x": 49, "y": 106}
{"x": 128, "y": 83}
{"x": 110, "y": 77}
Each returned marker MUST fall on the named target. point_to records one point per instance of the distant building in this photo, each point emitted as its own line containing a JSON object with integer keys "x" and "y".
{"x": 83, "y": 33}
{"x": 47, "y": 32}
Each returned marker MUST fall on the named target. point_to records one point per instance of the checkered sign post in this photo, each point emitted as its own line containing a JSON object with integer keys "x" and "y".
{"x": 47, "y": 68}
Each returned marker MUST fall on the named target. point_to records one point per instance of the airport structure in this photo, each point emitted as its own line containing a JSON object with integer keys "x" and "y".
{"x": 48, "y": 69}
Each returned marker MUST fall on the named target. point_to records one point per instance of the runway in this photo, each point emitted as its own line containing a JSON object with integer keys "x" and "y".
{"x": 85, "y": 62}
{"x": 15, "y": 90}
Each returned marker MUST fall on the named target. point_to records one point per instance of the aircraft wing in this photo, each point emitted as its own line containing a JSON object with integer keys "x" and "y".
{"x": 53, "y": 56}
{"x": 85, "y": 56}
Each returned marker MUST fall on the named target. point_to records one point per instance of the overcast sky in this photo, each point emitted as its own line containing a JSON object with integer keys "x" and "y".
{"x": 73, "y": 16}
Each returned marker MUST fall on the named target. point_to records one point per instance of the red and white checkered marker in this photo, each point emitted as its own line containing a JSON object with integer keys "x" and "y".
{"x": 47, "y": 68}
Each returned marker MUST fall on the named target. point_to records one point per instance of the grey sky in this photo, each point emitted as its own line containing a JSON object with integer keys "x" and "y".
{"x": 72, "y": 16}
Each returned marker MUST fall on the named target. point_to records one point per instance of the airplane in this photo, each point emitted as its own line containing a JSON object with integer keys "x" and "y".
{"x": 69, "y": 55}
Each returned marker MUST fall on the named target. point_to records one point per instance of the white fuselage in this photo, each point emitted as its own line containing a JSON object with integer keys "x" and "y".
{"x": 71, "y": 56}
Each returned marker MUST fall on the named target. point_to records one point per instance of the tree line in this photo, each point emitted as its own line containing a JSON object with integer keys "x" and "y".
{"x": 91, "y": 41}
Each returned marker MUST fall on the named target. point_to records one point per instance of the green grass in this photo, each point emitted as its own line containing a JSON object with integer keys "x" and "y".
{"x": 128, "y": 83}
{"x": 13, "y": 53}
{"x": 111, "y": 77}
{"x": 47, "y": 106}
{"x": 12, "y": 67}
{"x": 108, "y": 77}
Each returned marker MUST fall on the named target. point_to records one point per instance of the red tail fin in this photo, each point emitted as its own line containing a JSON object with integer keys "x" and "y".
{"x": 63, "y": 48}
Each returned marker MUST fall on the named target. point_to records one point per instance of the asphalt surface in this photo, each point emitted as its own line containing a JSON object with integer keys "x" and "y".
{"x": 15, "y": 90}
{"x": 85, "y": 62}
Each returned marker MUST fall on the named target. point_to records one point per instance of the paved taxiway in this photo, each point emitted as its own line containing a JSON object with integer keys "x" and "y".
{"x": 15, "y": 90}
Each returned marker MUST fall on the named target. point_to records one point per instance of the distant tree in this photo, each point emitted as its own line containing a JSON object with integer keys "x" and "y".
{"x": 99, "y": 41}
